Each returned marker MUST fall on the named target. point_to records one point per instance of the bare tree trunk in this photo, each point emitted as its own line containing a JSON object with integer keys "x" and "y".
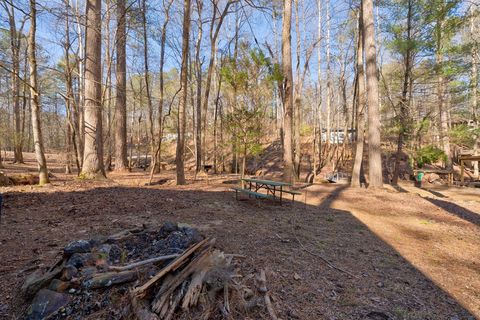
{"x": 181, "y": 120}
{"x": 215, "y": 121}
{"x": 442, "y": 112}
{"x": 121, "y": 163}
{"x": 320, "y": 91}
{"x": 474, "y": 83}
{"x": 405, "y": 101}
{"x": 68, "y": 144}
{"x": 360, "y": 106}
{"x": 70, "y": 102}
{"x": 80, "y": 112}
{"x": 93, "y": 153}
{"x": 234, "y": 168}
{"x": 15, "y": 49}
{"x": 288, "y": 174}
{"x": 374, "y": 144}
{"x": 161, "y": 102}
{"x": 277, "y": 93}
{"x": 214, "y": 31}
{"x": 147, "y": 81}
{"x": 107, "y": 100}
{"x": 199, "y": 142}
{"x": 329, "y": 83}
{"x": 297, "y": 99}
{"x": 35, "y": 98}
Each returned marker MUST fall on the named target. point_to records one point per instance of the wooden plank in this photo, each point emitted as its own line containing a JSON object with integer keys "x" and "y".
{"x": 253, "y": 193}
{"x": 268, "y": 182}
{"x": 469, "y": 158}
{"x": 440, "y": 171}
{"x": 173, "y": 265}
{"x": 292, "y": 192}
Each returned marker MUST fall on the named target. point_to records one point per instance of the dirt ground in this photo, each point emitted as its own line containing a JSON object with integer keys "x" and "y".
{"x": 403, "y": 253}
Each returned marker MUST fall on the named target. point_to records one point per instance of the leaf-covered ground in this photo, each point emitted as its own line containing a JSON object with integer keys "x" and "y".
{"x": 403, "y": 253}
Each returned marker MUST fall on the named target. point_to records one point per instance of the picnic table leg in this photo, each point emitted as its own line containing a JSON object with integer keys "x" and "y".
{"x": 274, "y": 193}
{"x": 281, "y": 193}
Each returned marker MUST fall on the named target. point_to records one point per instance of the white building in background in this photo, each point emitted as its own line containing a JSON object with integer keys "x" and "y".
{"x": 337, "y": 136}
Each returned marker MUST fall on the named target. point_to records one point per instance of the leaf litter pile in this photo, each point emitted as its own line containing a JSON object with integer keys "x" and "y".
{"x": 170, "y": 273}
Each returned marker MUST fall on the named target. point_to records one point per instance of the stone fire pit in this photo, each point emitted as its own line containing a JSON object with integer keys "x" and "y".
{"x": 141, "y": 274}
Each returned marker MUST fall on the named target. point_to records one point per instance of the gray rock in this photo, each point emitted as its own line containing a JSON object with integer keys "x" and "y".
{"x": 59, "y": 285}
{"x": 38, "y": 280}
{"x": 79, "y": 260}
{"x": 69, "y": 272}
{"x": 104, "y": 249}
{"x": 79, "y": 246}
{"x": 46, "y": 303}
{"x": 88, "y": 272}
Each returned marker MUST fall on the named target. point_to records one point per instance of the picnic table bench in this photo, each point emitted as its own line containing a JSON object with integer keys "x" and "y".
{"x": 275, "y": 189}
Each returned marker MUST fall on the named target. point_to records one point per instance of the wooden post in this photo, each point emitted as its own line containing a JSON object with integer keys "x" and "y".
{"x": 461, "y": 171}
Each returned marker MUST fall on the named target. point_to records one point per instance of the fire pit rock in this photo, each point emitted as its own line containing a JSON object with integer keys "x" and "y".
{"x": 83, "y": 281}
{"x": 46, "y": 303}
{"x": 169, "y": 273}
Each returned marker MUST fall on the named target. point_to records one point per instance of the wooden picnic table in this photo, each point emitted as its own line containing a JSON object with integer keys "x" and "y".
{"x": 274, "y": 188}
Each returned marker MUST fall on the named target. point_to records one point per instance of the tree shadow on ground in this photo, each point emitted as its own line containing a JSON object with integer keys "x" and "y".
{"x": 292, "y": 242}
{"x": 435, "y": 193}
{"x": 456, "y": 210}
{"x": 398, "y": 188}
{"x": 450, "y": 207}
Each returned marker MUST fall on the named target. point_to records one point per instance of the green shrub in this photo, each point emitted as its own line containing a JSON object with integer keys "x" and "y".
{"x": 428, "y": 155}
{"x": 462, "y": 134}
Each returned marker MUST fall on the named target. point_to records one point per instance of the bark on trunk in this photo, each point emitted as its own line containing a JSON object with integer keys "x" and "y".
{"x": 442, "y": 112}
{"x": 70, "y": 102}
{"x": 474, "y": 84}
{"x": 161, "y": 99}
{"x": 298, "y": 99}
{"x": 121, "y": 162}
{"x": 181, "y": 120}
{"x": 93, "y": 153}
{"x": 200, "y": 114}
{"x": 329, "y": 85}
{"x": 374, "y": 144}
{"x": 35, "y": 98}
{"x": 147, "y": 81}
{"x": 405, "y": 101}
{"x": 214, "y": 32}
{"x": 288, "y": 174}
{"x": 320, "y": 89}
{"x": 107, "y": 94}
{"x": 15, "y": 49}
{"x": 360, "y": 106}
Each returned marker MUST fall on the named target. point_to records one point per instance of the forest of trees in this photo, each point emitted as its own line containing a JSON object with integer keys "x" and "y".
{"x": 103, "y": 82}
